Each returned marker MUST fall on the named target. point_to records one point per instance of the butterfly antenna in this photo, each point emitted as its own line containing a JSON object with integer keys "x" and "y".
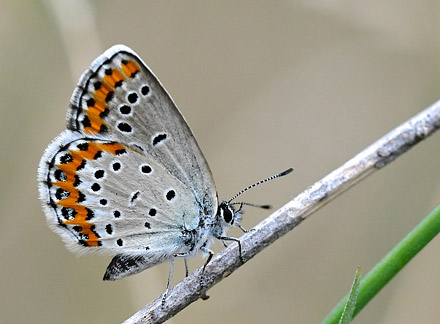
{"x": 242, "y": 203}
{"x": 260, "y": 182}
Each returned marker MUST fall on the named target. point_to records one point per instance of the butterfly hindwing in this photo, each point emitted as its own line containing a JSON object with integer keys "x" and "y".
{"x": 103, "y": 194}
{"x": 120, "y": 98}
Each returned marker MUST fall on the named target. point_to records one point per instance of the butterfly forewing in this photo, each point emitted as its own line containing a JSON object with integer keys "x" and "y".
{"x": 121, "y": 99}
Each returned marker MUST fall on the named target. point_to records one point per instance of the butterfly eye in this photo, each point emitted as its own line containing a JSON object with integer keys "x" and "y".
{"x": 227, "y": 215}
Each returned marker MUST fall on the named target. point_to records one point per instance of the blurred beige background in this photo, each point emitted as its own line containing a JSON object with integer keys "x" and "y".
{"x": 265, "y": 85}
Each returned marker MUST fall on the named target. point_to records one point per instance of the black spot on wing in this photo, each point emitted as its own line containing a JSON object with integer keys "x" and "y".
{"x": 159, "y": 138}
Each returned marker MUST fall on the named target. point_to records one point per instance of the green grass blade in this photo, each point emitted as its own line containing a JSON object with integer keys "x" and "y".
{"x": 391, "y": 264}
{"x": 348, "y": 312}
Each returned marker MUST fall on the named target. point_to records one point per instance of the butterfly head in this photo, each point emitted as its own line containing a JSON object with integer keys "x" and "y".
{"x": 228, "y": 215}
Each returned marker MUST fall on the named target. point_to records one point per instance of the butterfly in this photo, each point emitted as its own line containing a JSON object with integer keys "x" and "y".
{"x": 127, "y": 177}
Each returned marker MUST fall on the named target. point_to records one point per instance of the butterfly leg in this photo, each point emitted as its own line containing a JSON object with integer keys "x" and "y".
{"x": 239, "y": 225}
{"x": 240, "y": 208}
{"x": 245, "y": 230}
{"x": 228, "y": 238}
{"x": 211, "y": 254}
{"x": 170, "y": 275}
{"x": 203, "y": 294}
{"x": 186, "y": 267}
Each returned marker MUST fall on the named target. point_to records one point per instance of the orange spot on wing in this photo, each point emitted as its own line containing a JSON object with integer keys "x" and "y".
{"x": 93, "y": 242}
{"x": 116, "y": 76}
{"x": 100, "y": 105}
{"x": 95, "y": 121}
{"x": 93, "y": 111}
{"x": 91, "y": 130}
{"x": 71, "y": 201}
{"x": 102, "y": 93}
{"x": 111, "y": 147}
{"x": 69, "y": 168}
{"x": 80, "y": 217}
{"x": 91, "y": 151}
{"x": 130, "y": 68}
{"x": 65, "y": 185}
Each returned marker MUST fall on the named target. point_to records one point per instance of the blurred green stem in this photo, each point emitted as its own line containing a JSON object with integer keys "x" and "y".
{"x": 391, "y": 264}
